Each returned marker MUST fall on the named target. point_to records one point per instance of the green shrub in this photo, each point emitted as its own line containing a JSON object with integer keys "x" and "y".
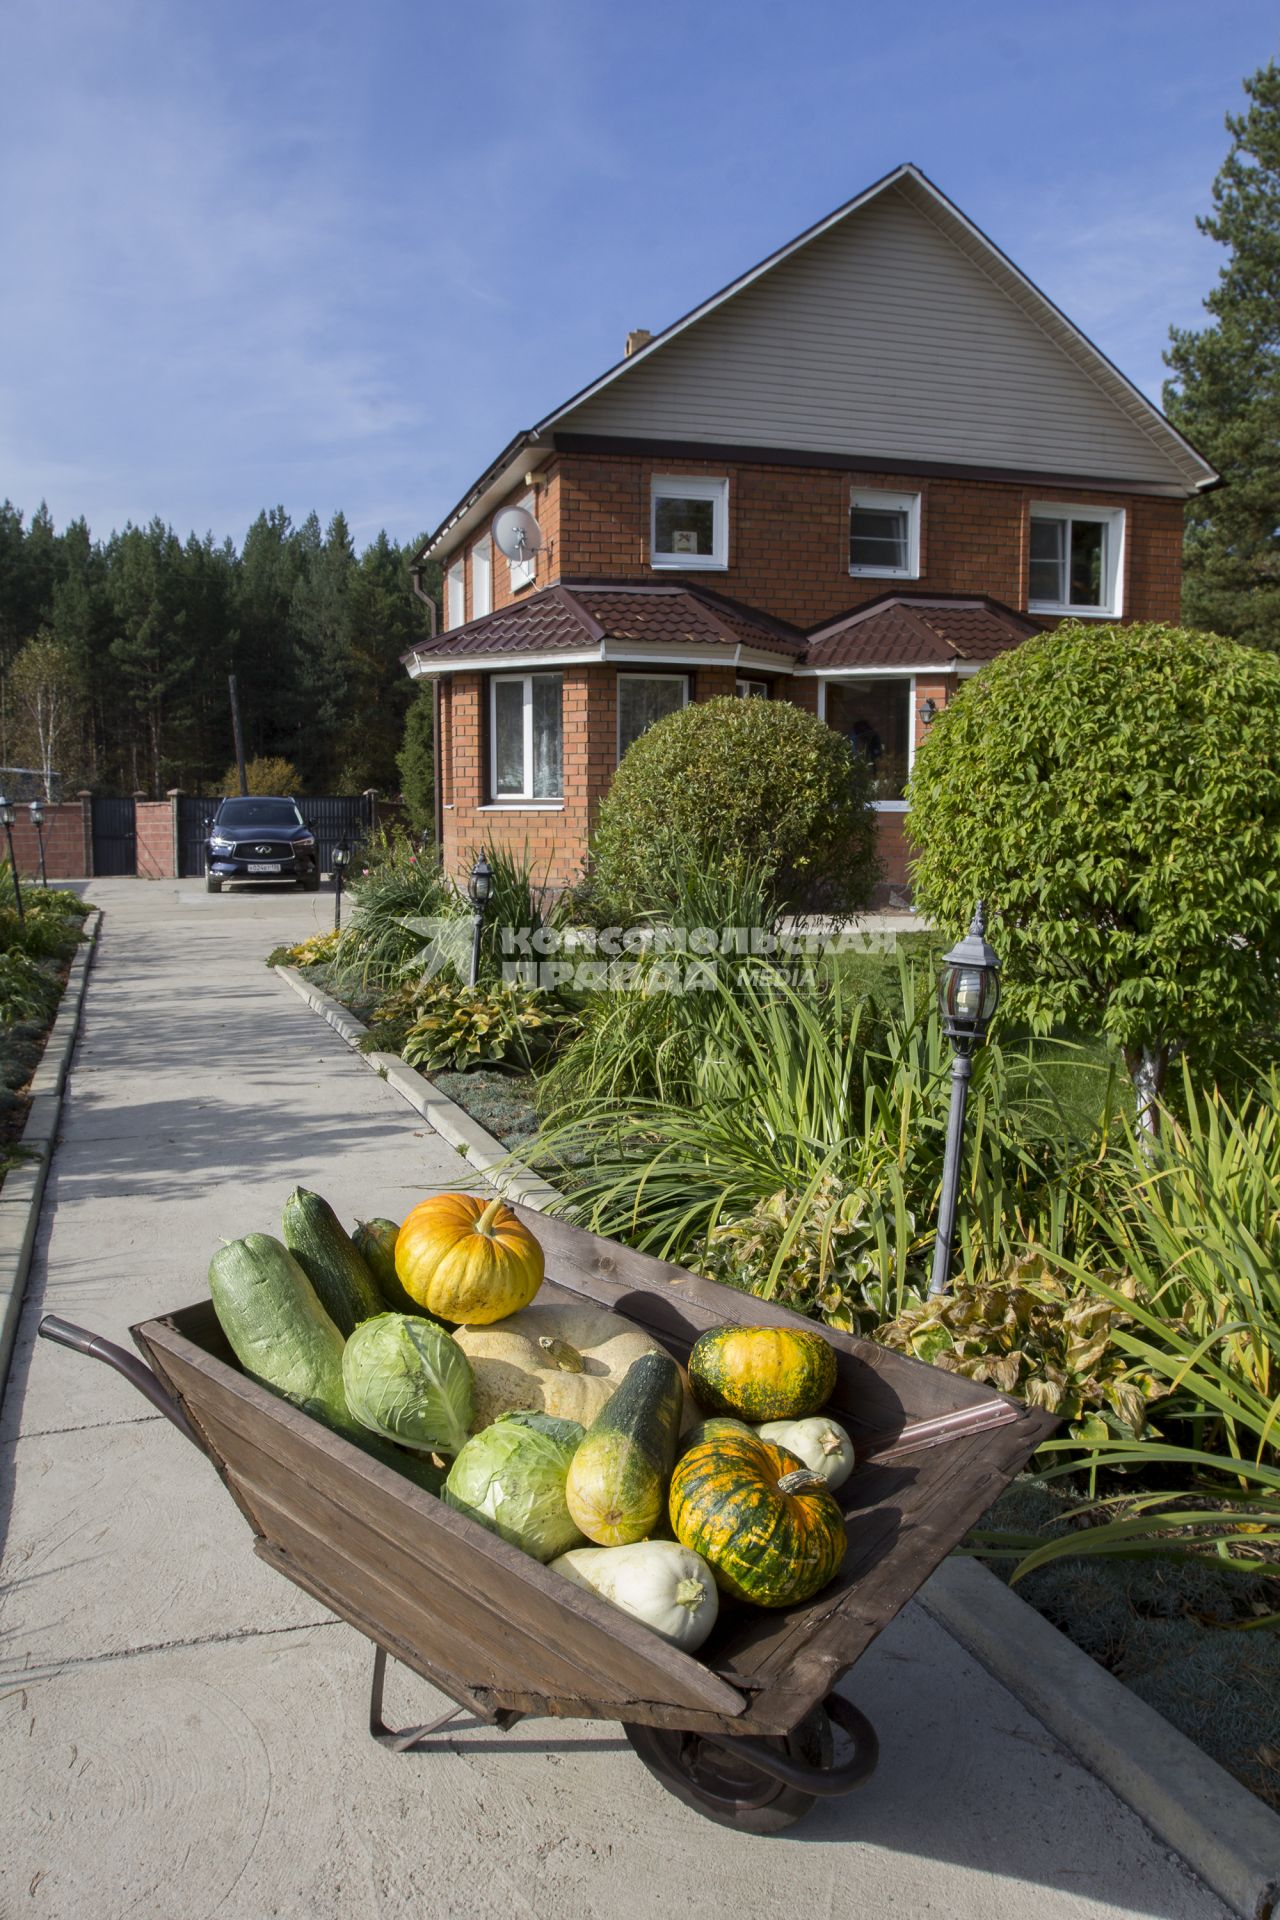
{"x": 394, "y": 882}
{"x": 754, "y": 781}
{"x": 519, "y": 901}
{"x": 485, "y": 1026}
{"x": 1113, "y": 794}
{"x": 415, "y": 762}
{"x": 27, "y": 992}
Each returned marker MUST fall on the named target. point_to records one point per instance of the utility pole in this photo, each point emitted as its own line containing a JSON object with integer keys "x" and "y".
{"x": 237, "y": 733}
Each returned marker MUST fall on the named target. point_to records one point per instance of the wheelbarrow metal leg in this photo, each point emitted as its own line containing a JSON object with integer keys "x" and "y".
{"x": 411, "y": 1739}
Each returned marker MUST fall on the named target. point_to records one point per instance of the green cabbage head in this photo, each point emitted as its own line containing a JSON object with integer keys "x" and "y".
{"x": 410, "y": 1381}
{"x": 511, "y": 1479}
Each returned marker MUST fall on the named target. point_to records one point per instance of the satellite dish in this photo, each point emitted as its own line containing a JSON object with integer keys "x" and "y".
{"x": 516, "y": 534}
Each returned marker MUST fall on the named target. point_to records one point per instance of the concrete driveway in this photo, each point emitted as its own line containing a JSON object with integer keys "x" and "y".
{"x": 183, "y": 1732}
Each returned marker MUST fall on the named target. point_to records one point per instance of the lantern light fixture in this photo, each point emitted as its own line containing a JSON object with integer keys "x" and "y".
{"x": 968, "y": 994}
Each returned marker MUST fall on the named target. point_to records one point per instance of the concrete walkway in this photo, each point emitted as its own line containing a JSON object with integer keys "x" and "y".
{"x": 183, "y": 1732}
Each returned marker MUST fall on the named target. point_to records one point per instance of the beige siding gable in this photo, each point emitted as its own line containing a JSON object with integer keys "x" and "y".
{"x": 894, "y": 335}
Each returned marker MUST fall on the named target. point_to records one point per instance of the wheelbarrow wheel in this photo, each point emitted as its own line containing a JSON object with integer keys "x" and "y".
{"x": 724, "y": 1787}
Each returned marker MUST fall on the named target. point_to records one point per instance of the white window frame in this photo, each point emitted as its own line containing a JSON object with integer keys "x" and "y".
{"x": 683, "y": 678}
{"x": 877, "y": 500}
{"x": 524, "y": 572}
{"x": 1113, "y": 519}
{"x": 456, "y": 593}
{"x": 688, "y": 486}
{"x": 482, "y": 578}
{"x": 744, "y": 688}
{"x": 526, "y": 796}
{"x": 851, "y": 679}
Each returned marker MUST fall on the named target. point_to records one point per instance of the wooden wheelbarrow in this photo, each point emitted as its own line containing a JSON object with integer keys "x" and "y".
{"x": 743, "y": 1732}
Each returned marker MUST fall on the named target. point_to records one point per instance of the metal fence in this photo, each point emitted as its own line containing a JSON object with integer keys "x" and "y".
{"x": 333, "y": 816}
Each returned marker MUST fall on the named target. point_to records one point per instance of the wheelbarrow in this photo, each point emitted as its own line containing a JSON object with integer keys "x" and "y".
{"x": 744, "y": 1732}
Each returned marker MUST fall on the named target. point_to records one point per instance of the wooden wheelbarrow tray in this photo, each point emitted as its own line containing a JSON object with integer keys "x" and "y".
{"x": 742, "y": 1731}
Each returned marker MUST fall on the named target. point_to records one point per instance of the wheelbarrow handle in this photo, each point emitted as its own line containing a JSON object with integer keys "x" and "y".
{"x": 135, "y": 1371}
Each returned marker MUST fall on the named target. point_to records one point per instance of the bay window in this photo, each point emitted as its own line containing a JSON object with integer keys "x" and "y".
{"x": 525, "y": 736}
{"x": 875, "y": 718}
{"x": 644, "y": 698}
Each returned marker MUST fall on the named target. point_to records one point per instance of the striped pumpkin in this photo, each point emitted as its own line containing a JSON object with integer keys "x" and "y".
{"x": 767, "y": 1526}
{"x": 762, "y": 1373}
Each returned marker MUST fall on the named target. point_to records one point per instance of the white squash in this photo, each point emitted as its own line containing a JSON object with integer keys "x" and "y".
{"x": 666, "y": 1586}
{"x": 563, "y": 1360}
{"x": 818, "y": 1441}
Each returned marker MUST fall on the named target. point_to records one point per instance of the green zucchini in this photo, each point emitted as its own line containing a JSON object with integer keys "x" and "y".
{"x": 617, "y": 1485}
{"x": 375, "y": 1242}
{"x": 284, "y": 1339}
{"x": 324, "y": 1250}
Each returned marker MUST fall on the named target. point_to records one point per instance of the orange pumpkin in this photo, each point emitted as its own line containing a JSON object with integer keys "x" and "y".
{"x": 467, "y": 1259}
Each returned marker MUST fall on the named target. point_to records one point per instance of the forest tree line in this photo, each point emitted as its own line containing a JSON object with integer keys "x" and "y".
{"x": 116, "y": 653}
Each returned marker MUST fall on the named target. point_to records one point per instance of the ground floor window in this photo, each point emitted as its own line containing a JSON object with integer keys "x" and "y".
{"x": 875, "y": 718}
{"x": 644, "y": 698}
{"x": 525, "y": 736}
{"x": 753, "y": 689}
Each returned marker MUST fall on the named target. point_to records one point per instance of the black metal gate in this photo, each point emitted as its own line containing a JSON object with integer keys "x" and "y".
{"x": 194, "y": 816}
{"x": 334, "y": 817}
{"x": 115, "y": 836}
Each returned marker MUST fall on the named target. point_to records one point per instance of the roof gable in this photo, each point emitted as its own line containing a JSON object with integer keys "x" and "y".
{"x": 894, "y": 329}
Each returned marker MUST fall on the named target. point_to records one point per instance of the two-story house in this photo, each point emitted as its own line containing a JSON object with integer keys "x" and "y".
{"x": 868, "y": 466}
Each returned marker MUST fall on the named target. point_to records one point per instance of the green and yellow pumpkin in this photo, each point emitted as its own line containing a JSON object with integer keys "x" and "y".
{"x": 767, "y": 1525}
{"x": 762, "y": 1373}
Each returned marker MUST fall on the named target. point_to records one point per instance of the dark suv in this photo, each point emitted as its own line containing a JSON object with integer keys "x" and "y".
{"x": 260, "y": 838}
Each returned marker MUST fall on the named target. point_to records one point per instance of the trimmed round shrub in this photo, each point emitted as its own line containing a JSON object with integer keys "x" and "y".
{"x": 757, "y": 784}
{"x": 1113, "y": 795}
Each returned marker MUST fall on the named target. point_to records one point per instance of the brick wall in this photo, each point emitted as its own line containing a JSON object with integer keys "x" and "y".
{"x": 789, "y": 535}
{"x": 547, "y": 563}
{"x": 154, "y": 825}
{"x": 68, "y": 842}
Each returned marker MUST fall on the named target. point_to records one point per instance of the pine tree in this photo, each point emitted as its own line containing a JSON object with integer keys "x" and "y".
{"x": 416, "y": 761}
{"x": 1225, "y": 391}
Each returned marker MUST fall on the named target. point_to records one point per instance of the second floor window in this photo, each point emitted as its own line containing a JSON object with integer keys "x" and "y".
{"x": 481, "y": 578}
{"x": 525, "y": 733}
{"x": 524, "y": 572}
{"x": 1075, "y": 559}
{"x": 455, "y": 609}
{"x": 884, "y": 534}
{"x": 689, "y": 522}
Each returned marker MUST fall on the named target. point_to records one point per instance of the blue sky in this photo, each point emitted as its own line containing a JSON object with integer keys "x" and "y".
{"x": 335, "y": 256}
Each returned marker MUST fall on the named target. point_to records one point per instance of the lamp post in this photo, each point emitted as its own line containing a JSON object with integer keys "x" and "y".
{"x": 967, "y": 992}
{"x": 7, "y": 817}
{"x": 479, "y": 890}
{"x": 341, "y": 861}
{"x": 37, "y": 821}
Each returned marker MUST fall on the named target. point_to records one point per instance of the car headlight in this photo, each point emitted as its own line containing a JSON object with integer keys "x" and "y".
{"x": 305, "y": 840}
{"x": 222, "y": 846}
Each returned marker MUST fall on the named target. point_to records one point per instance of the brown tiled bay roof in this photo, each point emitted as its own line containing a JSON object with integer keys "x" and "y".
{"x": 575, "y": 616}
{"x": 909, "y": 630}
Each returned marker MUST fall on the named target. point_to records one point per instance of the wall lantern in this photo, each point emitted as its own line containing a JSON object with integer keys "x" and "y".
{"x": 968, "y": 994}
{"x": 928, "y": 711}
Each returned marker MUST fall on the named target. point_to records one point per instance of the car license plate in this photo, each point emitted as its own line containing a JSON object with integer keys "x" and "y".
{"x": 269, "y": 866}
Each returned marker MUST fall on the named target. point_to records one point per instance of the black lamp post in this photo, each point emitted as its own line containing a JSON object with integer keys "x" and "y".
{"x": 37, "y": 821}
{"x": 967, "y": 992}
{"x": 7, "y": 817}
{"x": 341, "y": 861}
{"x": 479, "y": 890}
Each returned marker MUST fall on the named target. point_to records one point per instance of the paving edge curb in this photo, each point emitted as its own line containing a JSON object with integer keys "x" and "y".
{"x": 452, "y": 1122}
{"x": 23, "y": 1190}
{"x": 1223, "y": 1832}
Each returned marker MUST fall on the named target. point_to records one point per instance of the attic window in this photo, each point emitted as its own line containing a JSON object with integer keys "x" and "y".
{"x": 1075, "y": 559}
{"x": 884, "y": 534}
{"x": 689, "y": 522}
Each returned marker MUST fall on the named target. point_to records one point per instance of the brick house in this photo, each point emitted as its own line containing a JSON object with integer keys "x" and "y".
{"x": 872, "y": 463}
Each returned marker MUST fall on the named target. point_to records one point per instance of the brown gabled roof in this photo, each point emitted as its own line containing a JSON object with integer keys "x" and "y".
{"x": 917, "y": 630}
{"x": 576, "y": 616}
